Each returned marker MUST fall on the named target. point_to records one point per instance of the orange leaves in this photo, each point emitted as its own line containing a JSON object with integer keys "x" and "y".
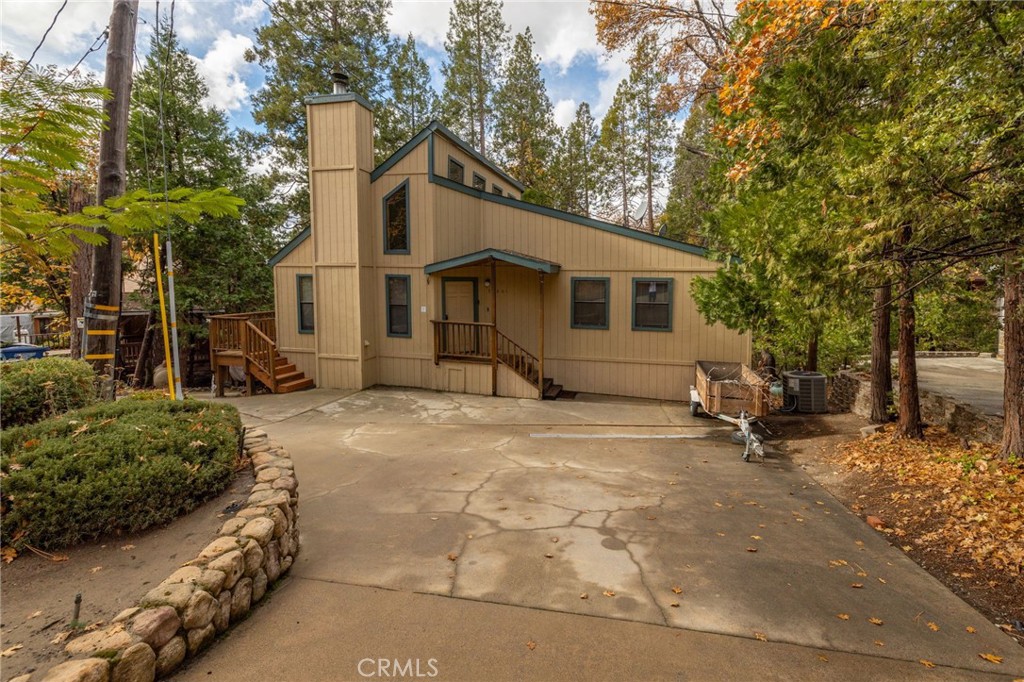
{"x": 991, "y": 658}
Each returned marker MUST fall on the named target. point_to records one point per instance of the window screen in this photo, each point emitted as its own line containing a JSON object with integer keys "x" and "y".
{"x": 652, "y": 304}
{"x": 304, "y": 284}
{"x": 398, "y": 305}
{"x": 590, "y": 303}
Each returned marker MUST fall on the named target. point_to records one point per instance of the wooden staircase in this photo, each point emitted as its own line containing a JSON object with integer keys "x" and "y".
{"x": 247, "y": 340}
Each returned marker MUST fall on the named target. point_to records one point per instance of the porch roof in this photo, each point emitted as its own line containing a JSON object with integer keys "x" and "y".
{"x": 520, "y": 259}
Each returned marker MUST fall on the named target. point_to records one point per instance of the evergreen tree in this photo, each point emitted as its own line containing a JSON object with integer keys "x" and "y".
{"x": 574, "y": 169}
{"x": 304, "y": 42}
{"x": 413, "y": 101}
{"x": 651, "y": 121}
{"x": 619, "y": 157}
{"x": 524, "y": 125}
{"x": 476, "y": 43}
{"x": 692, "y": 188}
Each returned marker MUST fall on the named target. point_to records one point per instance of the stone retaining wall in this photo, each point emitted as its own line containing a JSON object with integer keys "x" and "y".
{"x": 182, "y": 615}
{"x": 851, "y": 392}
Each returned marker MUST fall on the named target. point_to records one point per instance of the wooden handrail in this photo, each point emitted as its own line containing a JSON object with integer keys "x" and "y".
{"x": 462, "y": 340}
{"x": 261, "y": 350}
{"x": 519, "y": 360}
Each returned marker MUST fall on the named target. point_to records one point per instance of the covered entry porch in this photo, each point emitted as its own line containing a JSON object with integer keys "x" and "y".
{"x": 473, "y": 287}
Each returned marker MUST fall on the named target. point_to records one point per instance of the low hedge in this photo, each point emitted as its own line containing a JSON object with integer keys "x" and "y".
{"x": 113, "y": 468}
{"x": 31, "y": 390}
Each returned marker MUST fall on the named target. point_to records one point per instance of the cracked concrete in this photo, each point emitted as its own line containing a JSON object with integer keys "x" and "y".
{"x": 397, "y": 483}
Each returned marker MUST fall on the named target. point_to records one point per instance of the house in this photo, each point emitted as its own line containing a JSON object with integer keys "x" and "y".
{"x": 429, "y": 271}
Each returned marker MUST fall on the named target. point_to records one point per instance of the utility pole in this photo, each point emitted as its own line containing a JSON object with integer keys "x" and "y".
{"x": 102, "y": 310}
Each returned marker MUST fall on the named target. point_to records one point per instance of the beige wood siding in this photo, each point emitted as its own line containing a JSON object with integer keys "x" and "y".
{"x": 443, "y": 148}
{"x": 298, "y": 348}
{"x": 512, "y": 385}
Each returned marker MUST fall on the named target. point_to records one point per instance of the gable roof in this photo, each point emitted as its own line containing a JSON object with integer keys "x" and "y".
{"x": 437, "y": 127}
{"x": 289, "y": 247}
{"x": 503, "y": 255}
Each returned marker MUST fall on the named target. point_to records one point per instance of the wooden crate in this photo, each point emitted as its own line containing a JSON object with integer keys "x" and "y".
{"x": 730, "y": 388}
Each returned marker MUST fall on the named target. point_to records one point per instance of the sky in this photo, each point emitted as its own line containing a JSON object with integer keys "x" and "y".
{"x": 218, "y": 32}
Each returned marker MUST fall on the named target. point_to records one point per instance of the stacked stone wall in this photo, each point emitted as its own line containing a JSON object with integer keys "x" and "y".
{"x": 183, "y": 615}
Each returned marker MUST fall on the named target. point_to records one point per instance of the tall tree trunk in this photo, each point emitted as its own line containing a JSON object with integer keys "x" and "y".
{"x": 81, "y": 268}
{"x": 881, "y": 355}
{"x": 812, "y": 352}
{"x": 909, "y": 425}
{"x": 1013, "y": 357}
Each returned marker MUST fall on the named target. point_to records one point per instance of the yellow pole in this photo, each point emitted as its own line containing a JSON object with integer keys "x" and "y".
{"x": 163, "y": 313}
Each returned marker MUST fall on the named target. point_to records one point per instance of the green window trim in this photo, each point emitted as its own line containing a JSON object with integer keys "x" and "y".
{"x": 394, "y": 309}
{"x": 452, "y": 161}
{"x": 634, "y": 301}
{"x": 402, "y": 187}
{"x": 479, "y": 182}
{"x": 607, "y": 302}
{"x": 311, "y": 327}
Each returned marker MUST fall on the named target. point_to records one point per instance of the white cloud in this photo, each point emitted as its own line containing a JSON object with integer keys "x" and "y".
{"x": 565, "y": 111}
{"x": 23, "y": 22}
{"x": 613, "y": 67}
{"x": 249, "y": 13}
{"x": 223, "y": 68}
{"x": 427, "y": 20}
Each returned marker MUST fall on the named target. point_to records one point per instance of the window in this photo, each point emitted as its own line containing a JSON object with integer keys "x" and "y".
{"x": 399, "y": 319}
{"x": 456, "y": 171}
{"x": 590, "y": 302}
{"x": 511, "y": 196}
{"x": 497, "y": 190}
{"x": 304, "y": 287}
{"x": 396, "y": 220}
{"x": 652, "y": 305}
{"x": 479, "y": 182}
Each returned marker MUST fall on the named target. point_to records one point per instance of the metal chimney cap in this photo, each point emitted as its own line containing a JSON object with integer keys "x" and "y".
{"x": 340, "y": 79}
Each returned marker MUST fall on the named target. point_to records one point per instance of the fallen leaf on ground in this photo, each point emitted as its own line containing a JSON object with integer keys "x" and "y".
{"x": 608, "y": 593}
{"x": 882, "y": 580}
{"x": 35, "y": 615}
{"x": 879, "y": 642}
{"x": 875, "y": 621}
{"x": 554, "y": 539}
{"x": 926, "y": 663}
{"x": 531, "y": 645}
{"x": 549, "y": 556}
{"x": 8, "y": 554}
{"x": 933, "y": 627}
{"x": 10, "y": 652}
{"x": 651, "y": 518}
{"x": 677, "y": 589}
{"x": 823, "y": 657}
{"x": 755, "y": 537}
{"x": 857, "y": 585}
{"x": 992, "y": 658}
{"x": 720, "y": 534}
{"x": 95, "y": 569}
{"x": 843, "y": 616}
{"x": 760, "y": 636}
{"x": 93, "y": 626}
{"x": 127, "y": 547}
{"x": 61, "y": 636}
{"x": 452, "y": 556}
{"x": 970, "y": 629}
{"x": 674, "y": 605}
{"x": 584, "y": 595}
{"x": 751, "y": 549}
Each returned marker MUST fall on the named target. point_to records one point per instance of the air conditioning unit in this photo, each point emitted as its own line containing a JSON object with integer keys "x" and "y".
{"x": 804, "y": 391}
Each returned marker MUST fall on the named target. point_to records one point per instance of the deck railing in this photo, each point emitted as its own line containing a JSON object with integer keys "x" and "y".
{"x": 226, "y": 330}
{"x": 252, "y": 337}
{"x": 462, "y": 340}
{"x": 471, "y": 342}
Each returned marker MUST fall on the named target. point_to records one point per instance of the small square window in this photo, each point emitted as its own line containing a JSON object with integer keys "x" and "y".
{"x": 479, "y": 182}
{"x": 652, "y": 305}
{"x": 590, "y": 302}
{"x": 399, "y": 307}
{"x": 456, "y": 171}
{"x": 396, "y": 220}
{"x": 497, "y": 190}
{"x": 304, "y": 287}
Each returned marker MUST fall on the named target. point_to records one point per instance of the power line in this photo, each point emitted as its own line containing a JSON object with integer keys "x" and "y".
{"x": 41, "y": 41}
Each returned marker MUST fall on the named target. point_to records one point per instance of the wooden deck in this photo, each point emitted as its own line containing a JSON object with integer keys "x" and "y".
{"x": 249, "y": 341}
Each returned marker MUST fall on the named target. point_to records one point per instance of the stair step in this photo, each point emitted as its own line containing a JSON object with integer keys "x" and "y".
{"x": 295, "y": 385}
{"x": 286, "y": 368}
{"x": 552, "y": 391}
{"x": 281, "y": 360}
{"x": 285, "y": 377}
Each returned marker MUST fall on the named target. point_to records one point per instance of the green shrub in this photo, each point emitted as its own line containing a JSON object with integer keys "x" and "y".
{"x": 113, "y": 468}
{"x": 31, "y": 390}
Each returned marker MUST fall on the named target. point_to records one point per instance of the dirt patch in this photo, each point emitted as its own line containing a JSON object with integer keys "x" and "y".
{"x": 908, "y": 509}
{"x": 111, "y": 574}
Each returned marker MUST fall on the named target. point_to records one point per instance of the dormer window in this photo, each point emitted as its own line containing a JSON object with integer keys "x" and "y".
{"x": 495, "y": 189}
{"x": 456, "y": 171}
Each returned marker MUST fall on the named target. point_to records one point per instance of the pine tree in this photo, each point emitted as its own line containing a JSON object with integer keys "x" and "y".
{"x": 619, "y": 156}
{"x": 476, "y": 44}
{"x": 304, "y": 42}
{"x": 651, "y": 122}
{"x": 692, "y": 186}
{"x": 413, "y": 101}
{"x": 524, "y": 124}
{"x": 574, "y": 171}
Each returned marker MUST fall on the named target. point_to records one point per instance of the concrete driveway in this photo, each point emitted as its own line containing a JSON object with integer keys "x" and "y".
{"x": 587, "y": 539}
{"x": 978, "y": 381}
